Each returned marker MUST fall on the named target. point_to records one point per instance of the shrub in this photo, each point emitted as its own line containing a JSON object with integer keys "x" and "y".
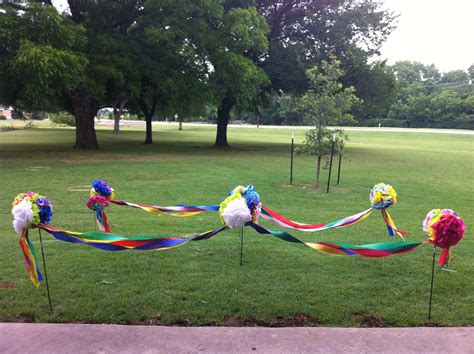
{"x": 2, "y": 117}
{"x": 62, "y": 118}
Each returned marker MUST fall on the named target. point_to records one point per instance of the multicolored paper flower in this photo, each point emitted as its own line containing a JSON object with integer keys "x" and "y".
{"x": 97, "y": 203}
{"x": 240, "y": 207}
{"x": 30, "y": 209}
{"x": 382, "y": 196}
{"x": 445, "y": 229}
{"x": 102, "y": 188}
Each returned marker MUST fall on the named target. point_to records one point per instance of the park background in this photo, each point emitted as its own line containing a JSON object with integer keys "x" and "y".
{"x": 222, "y": 62}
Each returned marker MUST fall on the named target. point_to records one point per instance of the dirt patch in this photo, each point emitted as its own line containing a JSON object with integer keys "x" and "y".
{"x": 235, "y": 321}
{"x": 181, "y": 323}
{"x": 38, "y": 168}
{"x": 434, "y": 324}
{"x": 6, "y": 286}
{"x": 25, "y": 318}
{"x": 295, "y": 320}
{"x": 368, "y": 320}
{"x": 79, "y": 189}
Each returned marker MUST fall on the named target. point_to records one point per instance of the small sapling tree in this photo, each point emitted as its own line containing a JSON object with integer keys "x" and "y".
{"x": 327, "y": 102}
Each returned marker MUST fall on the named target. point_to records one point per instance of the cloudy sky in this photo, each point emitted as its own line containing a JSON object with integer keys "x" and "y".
{"x": 430, "y": 31}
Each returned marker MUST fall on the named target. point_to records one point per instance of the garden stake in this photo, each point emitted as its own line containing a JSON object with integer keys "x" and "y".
{"x": 330, "y": 162}
{"x": 241, "y": 244}
{"x": 292, "y": 152}
{"x": 432, "y": 282}
{"x": 45, "y": 272}
{"x": 339, "y": 168}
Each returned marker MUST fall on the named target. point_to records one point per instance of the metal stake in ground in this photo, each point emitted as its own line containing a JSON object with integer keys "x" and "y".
{"x": 45, "y": 272}
{"x": 292, "y": 152}
{"x": 330, "y": 161}
{"x": 339, "y": 168}
{"x": 432, "y": 282}
{"x": 241, "y": 244}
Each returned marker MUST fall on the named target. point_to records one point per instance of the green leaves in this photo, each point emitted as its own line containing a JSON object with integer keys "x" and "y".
{"x": 41, "y": 57}
{"x": 247, "y": 30}
{"x": 327, "y": 102}
{"x": 44, "y": 72}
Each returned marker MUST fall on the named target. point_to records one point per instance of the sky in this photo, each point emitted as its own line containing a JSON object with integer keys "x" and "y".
{"x": 429, "y": 31}
{"x": 432, "y": 32}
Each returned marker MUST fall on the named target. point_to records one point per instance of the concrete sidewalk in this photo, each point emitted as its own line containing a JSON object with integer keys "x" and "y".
{"x": 75, "y": 338}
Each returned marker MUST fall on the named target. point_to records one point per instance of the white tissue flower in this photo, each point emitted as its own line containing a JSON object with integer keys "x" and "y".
{"x": 236, "y": 214}
{"x": 22, "y": 215}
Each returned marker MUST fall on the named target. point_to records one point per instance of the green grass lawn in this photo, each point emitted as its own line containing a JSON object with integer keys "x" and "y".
{"x": 202, "y": 282}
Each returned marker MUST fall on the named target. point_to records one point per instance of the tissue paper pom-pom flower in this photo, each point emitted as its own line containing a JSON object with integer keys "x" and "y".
{"x": 448, "y": 230}
{"x": 434, "y": 216}
{"x": 251, "y": 197}
{"x": 31, "y": 197}
{"x": 97, "y": 202}
{"x": 22, "y": 196}
{"x": 22, "y": 216}
{"x": 45, "y": 210}
{"x": 431, "y": 216}
{"x": 102, "y": 188}
{"x": 382, "y": 196}
{"x": 236, "y": 213}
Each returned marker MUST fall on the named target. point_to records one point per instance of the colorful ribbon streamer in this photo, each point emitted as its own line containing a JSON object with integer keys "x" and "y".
{"x": 278, "y": 219}
{"x": 374, "y": 250}
{"x": 29, "y": 255}
{"x": 175, "y": 210}
{"x": 391, "y": 225}
{"x": 111, "y": 242}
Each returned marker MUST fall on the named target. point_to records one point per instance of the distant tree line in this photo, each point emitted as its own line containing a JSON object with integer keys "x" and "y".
{"x": 406, "y": 94}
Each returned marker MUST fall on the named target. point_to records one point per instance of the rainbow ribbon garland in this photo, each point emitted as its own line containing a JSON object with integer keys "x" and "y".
{"x": 112, "y": 242}
{"x": 280, "y": 220}
{"x": 381, "y": 196}
{"x": 374, "y": 250}
{"x": 175, "y": 210}
{"x": 268, "y": 214}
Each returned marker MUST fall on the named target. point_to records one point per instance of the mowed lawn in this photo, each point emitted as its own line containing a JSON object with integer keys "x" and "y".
{"x": 202, "y": 283}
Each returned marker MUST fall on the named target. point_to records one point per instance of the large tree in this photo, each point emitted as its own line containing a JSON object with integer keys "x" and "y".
{"x": 76, "y": 62}
{"x": 303, "y": 32}
{"x": 376, "y": 86}
{"x": 40, "y": 57}
{"x": 235, "y": 78}
{"x": 173, "y": 68}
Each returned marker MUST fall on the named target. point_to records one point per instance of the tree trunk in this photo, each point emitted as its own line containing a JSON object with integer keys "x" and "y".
{"x": 318, "y": 170}
{"x": 117, "y": 115}
{"x": 85, "y": 108}
{"x": 149, "y": 131}
{"x": 149, "y": 114}
{"x": 223, "y": 116}
{"x": 118, "y": 112}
